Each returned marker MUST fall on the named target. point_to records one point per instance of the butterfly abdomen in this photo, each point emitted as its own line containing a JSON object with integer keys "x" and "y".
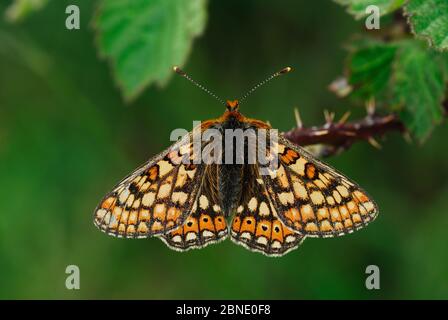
{"x": 230, "y": 173}
{"x": 230, "y": 181}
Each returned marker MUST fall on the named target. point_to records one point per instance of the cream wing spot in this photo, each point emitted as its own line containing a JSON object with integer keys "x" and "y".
{"x": 159, "y": 209}
{"x": 124, "y": 195}
{"x": 264, "y": 209}
{"x": 335, "y": 214}
{"x": 307, "y": 212}
{"x": 276, "y": 244}
{"x": 300, "y": 190}
{"x": 133, "y": 217}
{"x": 246, "y": 235}
{"x": 326, "y": 226}
{"x": 145, "y": 186}
{"x": 136, "y": 204}
{"x": 311, "y": 226}
{"x": 299, "y": 166}
{"x": 191, "y": 236}
{"x": 130, "y": 200}
{"x": 148, "y": 199}
{"x": 101, "y": 213}
{"x": 130, "y": 229}
{"x": 320, "y": 184}
{"x": 144, "y": 215}
{"x": 317, "y": 197}
{"x": 117, "y": 212}
{"x": 262, "y": 240}
{"x": 142, "y": 228}
{"x": 344, "y": 212}
{"x": 107, "y": 218}
{"x": 343, "y": 191}
{"x": 177, "y": 239}
{"x": 179, "y": 197}
{"x": 190, "y": 173}
{"x": 164, "y": 167}
{"x": 351, "y": 206}
{"x": 207, "y": 234}
{"x": 181, "y": 177}
{"x": 164, "y": 191}
{"x": 252, "y": 205}
{"x": 337, "y": 196}
{"x": 324, "y": 179}
{"x": 203, "y": 202}
{"x": 323, "y": 213}
{"x": 282, "y": 178}
{"x": 286, "y": 198}
{"x": 369, "y": 206}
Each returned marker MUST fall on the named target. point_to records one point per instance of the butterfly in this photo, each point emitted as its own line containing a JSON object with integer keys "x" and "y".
{"x": 191, "y": 204}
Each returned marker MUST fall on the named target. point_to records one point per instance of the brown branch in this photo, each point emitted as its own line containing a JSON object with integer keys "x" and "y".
{"x": 335, "y": 137}
{"x": 339, "y": 136}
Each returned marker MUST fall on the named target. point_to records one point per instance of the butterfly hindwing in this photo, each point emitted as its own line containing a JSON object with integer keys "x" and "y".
{"x": 155, "y": 198}
{"x": 206, "y": 225}
{"x": 314, "y": 199}
{"x": 257, "y": 227}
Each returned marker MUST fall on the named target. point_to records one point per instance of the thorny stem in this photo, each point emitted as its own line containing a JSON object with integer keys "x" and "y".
{"x": 335, "y": 137}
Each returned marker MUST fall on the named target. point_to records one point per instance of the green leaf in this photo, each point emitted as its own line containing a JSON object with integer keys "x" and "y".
{"x": 357, "y": 8}
{"x": 403, "y": 76}
{"x": 143, "y": 39}
{"x": 418, "y": 86}
{"x": 370, "y": 67}
{"x": 429, "y": 20}
{"x": 20, "y": 9}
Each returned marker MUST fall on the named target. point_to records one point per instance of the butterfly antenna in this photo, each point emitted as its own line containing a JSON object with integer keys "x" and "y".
{"x": 275, "y": 75}
{"x": 182, "y": 73}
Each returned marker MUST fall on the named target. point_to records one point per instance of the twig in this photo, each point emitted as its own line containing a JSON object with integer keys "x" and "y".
{"x": 339, "y": 136}
{"x": 335, "y": 137}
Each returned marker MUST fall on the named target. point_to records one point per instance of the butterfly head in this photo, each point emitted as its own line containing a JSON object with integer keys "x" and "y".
{"x": 232, "y": 105}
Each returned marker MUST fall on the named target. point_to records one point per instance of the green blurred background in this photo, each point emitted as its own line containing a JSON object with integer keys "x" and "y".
{"x": 66, "y": 138}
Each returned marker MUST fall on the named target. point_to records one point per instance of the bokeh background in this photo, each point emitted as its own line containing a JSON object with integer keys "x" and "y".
{"x": 66, "y": 138}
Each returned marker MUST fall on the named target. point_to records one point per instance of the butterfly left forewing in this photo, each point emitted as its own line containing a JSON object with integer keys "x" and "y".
{"x": 314, "y": 199}
{"x": 155, "y": 198}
